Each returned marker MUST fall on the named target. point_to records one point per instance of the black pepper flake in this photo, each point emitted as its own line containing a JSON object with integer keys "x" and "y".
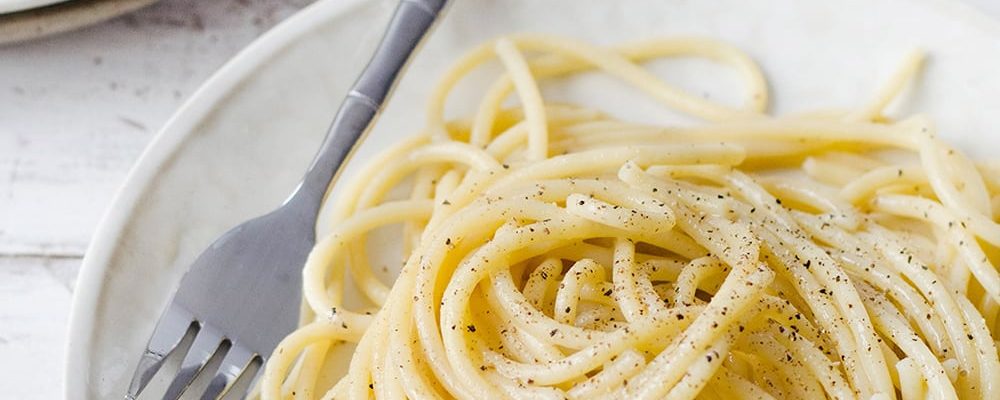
{"x": 471, "y": 328}
{"x": 680, "y": 316}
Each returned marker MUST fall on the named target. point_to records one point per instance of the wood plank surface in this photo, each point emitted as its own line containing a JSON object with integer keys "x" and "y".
{"x": 77, "y": 109}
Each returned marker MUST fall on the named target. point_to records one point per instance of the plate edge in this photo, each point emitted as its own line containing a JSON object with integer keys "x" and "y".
{"x": 160, "y": 149}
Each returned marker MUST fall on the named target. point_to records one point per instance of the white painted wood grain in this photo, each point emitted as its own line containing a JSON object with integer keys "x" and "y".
{"x": 77, "y": 109}
{"x": 34, "y": 306}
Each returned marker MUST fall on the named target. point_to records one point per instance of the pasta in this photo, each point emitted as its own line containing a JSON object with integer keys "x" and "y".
{"x": 553, "y": 251}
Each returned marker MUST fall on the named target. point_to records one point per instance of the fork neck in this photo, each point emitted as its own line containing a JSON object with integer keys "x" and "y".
{"x": 349, "y": 126}
{"x": 407, "y": 28}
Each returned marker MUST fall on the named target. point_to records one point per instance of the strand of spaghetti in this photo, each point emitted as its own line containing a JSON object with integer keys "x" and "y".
{"x": 802, "y": 384}
{"x": 625, "y": 281}
{"x": 326, "y": 250}
{"x": 824, "y": 312}
{"x": 482, "y": 262}
{"x": 472, "y": 225}
{"x": 955, "y": 180}
{"x": 989, "y": 361}
{"x": 531, "y": 98}
{"x": 865, "y": 186}
{"x": 424, "y": 186}
{"x": 591, "y": 357}
{"x": 277, "y": 367}
{"x": 508, "y": 141}
{"x": 826, "y": 270}
{"x": 638, "y": 77}
{"x": 396, "y": 171}
{"x": 700, "y": 372}
{"x": 911, "y": 382}
{"x": 344, "y": 204}
{"x": 940, "y": 296}
{"x": 769, "y": 376}
{"x": 580, "y": 274}
{"x": 888, "y": 320}
{"x": 947, "y": 192}
{"x": 740, "y": 388}
{"x": 968, "y": 248}
{"x": 610, "y": 158}
{"x": 637, "y": 52}
{"x": 741, "y": 288}
{"x": 439, "y": 93}
{"x": 834, "y": 383}
{"x": 337, "y": 391}
{"x": 890, "y": 281}
{"x": 698, "y": 269}
{"x": 312, "y": 360}
{"x": 512, "y": 304}
{"x": 890, "y": 90}
{"x": 612, "y": 374}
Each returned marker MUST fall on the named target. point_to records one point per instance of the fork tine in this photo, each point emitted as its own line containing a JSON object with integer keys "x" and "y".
{"x": 244, "y": 385}
{"x": 206, "y": 344}
{"x": 174, "y": 325}
{"x": 237, "y": 359}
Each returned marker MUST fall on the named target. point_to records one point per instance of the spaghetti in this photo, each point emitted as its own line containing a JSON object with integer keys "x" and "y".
{"x": 553, "y": 251}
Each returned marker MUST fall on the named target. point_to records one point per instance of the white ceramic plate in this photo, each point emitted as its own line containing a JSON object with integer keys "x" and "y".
{"x": 9, "y": 6}
{"x": 22, "y": 20}
{"x": 238, "y": 147}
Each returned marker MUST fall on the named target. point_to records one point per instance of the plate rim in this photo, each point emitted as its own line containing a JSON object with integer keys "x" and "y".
{"x": 25, "y": 5}
{"x": 181, "y": 125}
{"x": 160, "y": 150}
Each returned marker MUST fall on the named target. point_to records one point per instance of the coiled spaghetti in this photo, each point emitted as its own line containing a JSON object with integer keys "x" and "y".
{"x": 553, "y": 251}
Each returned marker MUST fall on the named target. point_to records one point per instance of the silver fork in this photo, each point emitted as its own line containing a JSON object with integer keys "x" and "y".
{"x": 242, "y": 295}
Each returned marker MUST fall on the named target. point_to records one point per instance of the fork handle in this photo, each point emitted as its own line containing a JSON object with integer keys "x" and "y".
{"x": 407, "y": 28}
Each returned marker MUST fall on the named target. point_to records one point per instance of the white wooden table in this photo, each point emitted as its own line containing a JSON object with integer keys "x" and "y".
{"x": 75, "y": 112}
